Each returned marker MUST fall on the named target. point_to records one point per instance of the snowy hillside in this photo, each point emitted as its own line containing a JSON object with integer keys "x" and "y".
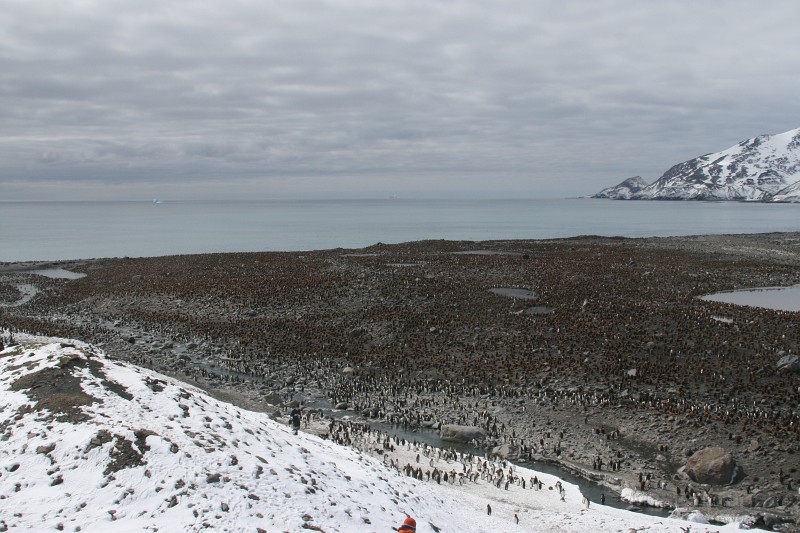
{"x": 764, "y": 168}
{"x": 90, "y": 444}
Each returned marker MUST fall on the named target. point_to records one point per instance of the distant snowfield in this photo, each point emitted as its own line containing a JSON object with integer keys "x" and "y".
{"x": 90, "y": 444}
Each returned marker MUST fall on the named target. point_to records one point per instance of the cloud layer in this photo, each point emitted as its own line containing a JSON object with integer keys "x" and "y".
{"x": 124, "y": 99}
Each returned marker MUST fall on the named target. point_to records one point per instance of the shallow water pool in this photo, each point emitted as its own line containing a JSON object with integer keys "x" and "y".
{"x": 57, "y": 273}
{"x": 778, "y": 298}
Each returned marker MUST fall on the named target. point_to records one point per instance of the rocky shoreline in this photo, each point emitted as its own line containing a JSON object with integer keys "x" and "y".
{"x": 626, "y": 377}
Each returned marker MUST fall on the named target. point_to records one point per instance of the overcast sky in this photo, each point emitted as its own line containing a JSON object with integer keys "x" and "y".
{"x": 134, "y": 99}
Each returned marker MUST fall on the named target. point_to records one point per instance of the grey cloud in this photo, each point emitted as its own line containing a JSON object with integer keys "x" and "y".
{"x": 539, "y": 96}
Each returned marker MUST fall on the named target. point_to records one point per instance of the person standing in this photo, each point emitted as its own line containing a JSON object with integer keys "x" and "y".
{"x": 295, "y": 417}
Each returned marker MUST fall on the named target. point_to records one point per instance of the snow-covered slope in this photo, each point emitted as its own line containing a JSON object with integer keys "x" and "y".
{"x": 623, "y": 191}
{"x": 754, "y": 169}
{"x": 90, "y": 444}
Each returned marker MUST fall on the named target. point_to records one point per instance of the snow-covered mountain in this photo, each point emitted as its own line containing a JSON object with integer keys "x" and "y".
{"x": 764, "y": 168}
{"x": 89, "y": 444}
{"x": 624, "y": 190}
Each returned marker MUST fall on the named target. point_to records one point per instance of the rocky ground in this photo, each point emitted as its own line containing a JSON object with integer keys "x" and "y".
{"x": 602, "y": 354}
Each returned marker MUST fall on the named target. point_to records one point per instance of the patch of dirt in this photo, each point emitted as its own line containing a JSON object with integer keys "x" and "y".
{"x": 123, "y": 455}
{"x": 57, "y": 390}
{"x": 155, "y": 385}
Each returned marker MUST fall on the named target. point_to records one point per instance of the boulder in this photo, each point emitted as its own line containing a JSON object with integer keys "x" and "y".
{"x": 46, "y": 449}
{"x": 789, "y": 362}
{"x": 757, "y": 499}
{"x": 318, "y": 427}
{"x": 770, "y": 521}
{"x": 273, "y": 398}
{"x": 457, "y": 433}
{"x": 772, "y": 501}
{"x": 713, "y": 466}
{"x": 506, "y": 451}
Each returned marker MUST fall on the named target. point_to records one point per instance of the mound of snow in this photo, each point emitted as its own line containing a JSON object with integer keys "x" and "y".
{"x": 634, "y": 496}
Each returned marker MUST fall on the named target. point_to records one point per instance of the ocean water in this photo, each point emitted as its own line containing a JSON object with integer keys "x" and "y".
{"x": 50, "y": 231}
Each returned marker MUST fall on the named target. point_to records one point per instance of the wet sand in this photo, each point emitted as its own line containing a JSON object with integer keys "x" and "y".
{"x": 631, "y": 368}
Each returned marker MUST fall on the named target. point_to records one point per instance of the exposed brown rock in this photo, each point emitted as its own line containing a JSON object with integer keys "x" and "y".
{"x": 713, "y": 466}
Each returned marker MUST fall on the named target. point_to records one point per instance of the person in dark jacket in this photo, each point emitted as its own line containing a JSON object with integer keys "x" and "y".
{"x": 295, "y": 416}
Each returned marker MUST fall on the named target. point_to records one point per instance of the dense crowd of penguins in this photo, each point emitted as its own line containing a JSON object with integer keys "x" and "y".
{"x": 412, "y": 333}
{"x": 448, "y": 465}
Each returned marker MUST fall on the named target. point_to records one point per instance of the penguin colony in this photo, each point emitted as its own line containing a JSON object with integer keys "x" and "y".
{"x": 630, "y": 364}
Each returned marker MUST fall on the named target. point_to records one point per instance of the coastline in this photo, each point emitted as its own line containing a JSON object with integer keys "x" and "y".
{"x": 423, "y": 336}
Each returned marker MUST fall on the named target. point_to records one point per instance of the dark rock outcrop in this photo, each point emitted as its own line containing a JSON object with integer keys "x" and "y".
{"x": 789, "y": 363}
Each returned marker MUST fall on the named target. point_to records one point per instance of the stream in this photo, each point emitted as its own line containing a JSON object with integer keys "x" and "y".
{"x": 588, "y": 488}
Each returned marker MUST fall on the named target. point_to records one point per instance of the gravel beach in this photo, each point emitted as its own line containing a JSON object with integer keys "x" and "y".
{"x": 592, "y": 352}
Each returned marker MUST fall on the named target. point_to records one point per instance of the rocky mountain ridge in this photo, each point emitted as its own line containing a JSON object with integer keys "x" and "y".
{"x": 765, "y": 168}
{"x": 623, "y": 191}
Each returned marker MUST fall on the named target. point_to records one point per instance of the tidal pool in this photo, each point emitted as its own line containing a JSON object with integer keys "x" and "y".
{"x": 485, "y": 252}
{"x": 778, "y": 298}
{"x": 57, "y": 273}
{"x": 540, "y": 310}
{"x": 520, "y": 294}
